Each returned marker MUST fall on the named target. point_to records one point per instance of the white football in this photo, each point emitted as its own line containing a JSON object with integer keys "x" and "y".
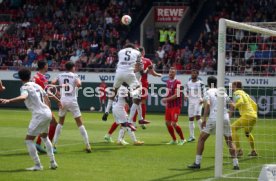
{"x": 92, "y": 108}
{"x": 126, "y": 20}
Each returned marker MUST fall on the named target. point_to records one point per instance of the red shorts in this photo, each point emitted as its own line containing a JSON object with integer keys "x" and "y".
{"x": 103, "y": 98}
{"x": 171, "y": 114}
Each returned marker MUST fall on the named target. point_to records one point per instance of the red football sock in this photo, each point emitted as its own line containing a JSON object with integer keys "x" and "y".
{"x": 144, "y": 109}
{"x": 38, "y": 141}
{"x": 113, "y": 128}
{"x": 179, "y": 132}
{"x": 171, "y": 131}
{"x": 52, "y": 130}
{"x": 135, "y": 117}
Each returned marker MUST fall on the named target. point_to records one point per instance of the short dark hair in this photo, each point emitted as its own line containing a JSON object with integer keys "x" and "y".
{"x": 130, "y": 45}
{"x": 69, "y": 65}
{"x": 238, "y": 84}
{"x": 24, "y": 74}
{"x": 212, "y": 81}
{"x": 141, "y": 49}
{"x": 41, "y": 64}
{"x": 195, "y": 70}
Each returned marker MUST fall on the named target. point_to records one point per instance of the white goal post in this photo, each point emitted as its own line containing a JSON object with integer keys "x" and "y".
{"x": 222, "y": 32}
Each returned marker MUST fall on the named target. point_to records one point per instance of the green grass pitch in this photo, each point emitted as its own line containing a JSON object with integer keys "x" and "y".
{"x": 153, "y": 161}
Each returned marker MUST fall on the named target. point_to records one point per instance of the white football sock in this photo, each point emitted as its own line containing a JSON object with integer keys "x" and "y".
{"x": 32, "y": 151}
{"x": 132, "y": 112}
{"x": 109, "y": 104}
{"x": 235, "y": 162}
{"x": 198, "y": 159}
{"x": 139, "y": 112}
{"x": 131, "y": 134}
{"x": 49, "y": 148}
{"x": 84, "y": 135}
{"x": 199, "y": 123}
{"x": 57, "y": 134}
{"x": 192, "y": 129}
{"x": 121, "y": 134}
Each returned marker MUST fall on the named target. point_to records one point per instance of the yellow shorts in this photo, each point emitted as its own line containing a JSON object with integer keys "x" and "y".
{"x": 245, "y": 122}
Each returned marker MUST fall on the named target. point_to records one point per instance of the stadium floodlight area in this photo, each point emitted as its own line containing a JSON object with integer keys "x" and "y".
{"x": 248, "y": 49}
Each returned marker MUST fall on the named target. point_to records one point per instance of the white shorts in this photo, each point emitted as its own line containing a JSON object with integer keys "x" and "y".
{"x": 119, "y": 115}
{"x": 211, "y": 126}
{"x": 73, "y": 107}
{"x": 194, "y": 109}
{"x": 39, "y": 123}
{"x": 127, "y": 77}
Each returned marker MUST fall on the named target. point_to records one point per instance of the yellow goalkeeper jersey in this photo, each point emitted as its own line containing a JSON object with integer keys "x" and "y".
{"x": 244, "y": 103}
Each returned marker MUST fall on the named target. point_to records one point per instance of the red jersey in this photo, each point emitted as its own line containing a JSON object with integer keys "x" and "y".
{"x": 144, "y": 79}
{"x": 173, "y": 87}
{"x": 102, "y": 90}
{"x": 41, "y": 80}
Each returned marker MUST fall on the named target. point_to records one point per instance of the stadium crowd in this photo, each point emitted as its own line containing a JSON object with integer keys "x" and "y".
{"x": 90, "y": 34}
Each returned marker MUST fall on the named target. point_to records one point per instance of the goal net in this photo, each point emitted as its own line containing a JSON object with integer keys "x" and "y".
{"x": 247, "y": 52}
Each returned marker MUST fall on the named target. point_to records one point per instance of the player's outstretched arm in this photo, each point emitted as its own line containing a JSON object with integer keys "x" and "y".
{"x": 16, "y": 99}
{"x": 153, "y": 72}
{"x": 2, "y": 88}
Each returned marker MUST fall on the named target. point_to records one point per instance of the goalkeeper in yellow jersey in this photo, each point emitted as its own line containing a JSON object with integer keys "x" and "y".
{"x": 248, "y": 116}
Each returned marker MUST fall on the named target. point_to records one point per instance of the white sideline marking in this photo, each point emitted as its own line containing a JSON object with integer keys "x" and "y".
{"x": 236, "y": 172}
{"x": 25, "y": 148}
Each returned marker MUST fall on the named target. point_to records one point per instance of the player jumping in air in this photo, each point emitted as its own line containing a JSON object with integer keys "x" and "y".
{"x": 209, "y": 127}
{"x": 194, "y": 89}
{"x": 35, "y": 99}
{"x": 70, "y": 82}
{"x": 248, "y": 110}
{"x": 173, "y": 103}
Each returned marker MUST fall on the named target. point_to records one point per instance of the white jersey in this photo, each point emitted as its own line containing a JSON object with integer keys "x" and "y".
{"x": 194, "y": 91}
{"x": 128, "y": 57}
{"x": 120, "y": 99}
{"x": 34, "y": 102}
{"x": 211, "y": 95}
{"x": 68, "y": 82}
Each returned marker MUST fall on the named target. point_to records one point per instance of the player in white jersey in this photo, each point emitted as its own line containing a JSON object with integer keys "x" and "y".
{"x": 70, "y": 82}
{"x": 129, "y": 58}
{"x": 209, "y": 127}
{"x": 120, "y": 116}
{"x": 194, "y": 91}
{"x": 35, "y": 99}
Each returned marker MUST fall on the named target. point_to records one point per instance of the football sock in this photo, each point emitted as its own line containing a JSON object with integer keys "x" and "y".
{"x": 144, "y": 109}
{"x": 198, "y": 159}
{"x": 121, "y": 134}
{"x": 139, "y": 112}
{"x": 32, "y": 151}
{"x": 109, "y": 104}
{"x": 57, "y": 133}
{"x": 52, "y": 130}
{"x": 49, "y": 148}
{"x": 192, "y": 129}
{"x": 179, "y": 132}
{"x": 131, "y": 134}
{"x": 113, "y": 128}
{"x": 132, "y": 112}
{"x": 171, "y": 131}
{"x": 84, "y": 135}
{"x": 251, "y": 141}
{"x": 38, "y": 141}
{"x": 199, "y": 123}
{"x": 235, "y": 162}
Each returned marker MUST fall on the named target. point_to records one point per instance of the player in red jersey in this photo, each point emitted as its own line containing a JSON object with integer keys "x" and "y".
{"x": 102, "y": 97}
{"x": 40, "y": 79}
{"x": 148, "y": 69}
{"x": 173, "y": 103}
